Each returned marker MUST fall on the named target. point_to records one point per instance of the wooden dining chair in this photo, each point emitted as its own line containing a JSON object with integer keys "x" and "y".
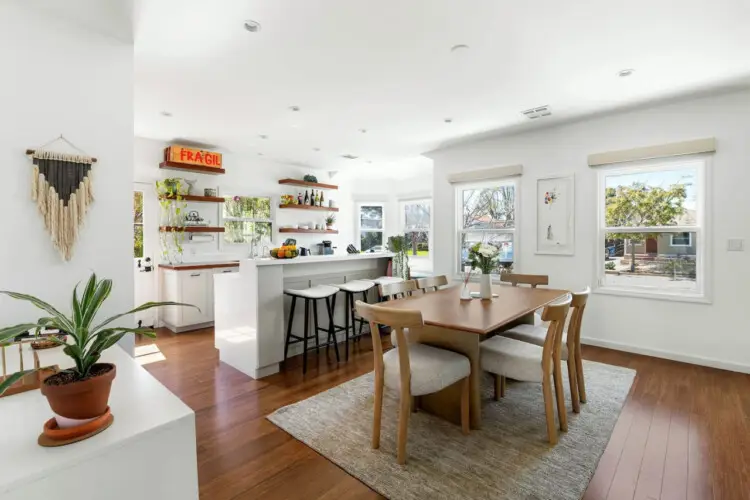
{"x": 507, "y": 357}
{"x": 525, "y": 279}
{"x": 570, "y": 350}
{"x": 431, "y": 284}
{"x": 412, "y": 369}
{"x": 392, "y": 291}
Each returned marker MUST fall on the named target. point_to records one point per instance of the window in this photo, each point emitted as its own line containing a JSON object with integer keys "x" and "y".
{"x": 137, "y": 224}
{"x": 652, "y": 229}
{"x": 487, "y": 214}
{"x": 681, "y": 240}
{"x": 415, "y": 220}
{"x": 247, "y": 219}
{"x": 371, "y": 225}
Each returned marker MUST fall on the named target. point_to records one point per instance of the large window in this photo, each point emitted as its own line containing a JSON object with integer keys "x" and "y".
{"x": 487, "y": 214}
{"x": 652, "y": 228}
{"x": 247, "y": 219}
{"x": 415, "y": 225}
{"x": 371, "y": 227}
{"x": 138, "y": 224}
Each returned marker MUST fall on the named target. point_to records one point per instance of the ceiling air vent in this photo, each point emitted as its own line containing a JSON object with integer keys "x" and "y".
{"x": 350, "y": 157}
{"x": 534, "y": 113}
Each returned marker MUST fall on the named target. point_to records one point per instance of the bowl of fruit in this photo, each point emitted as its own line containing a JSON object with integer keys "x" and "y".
{"x": 285, "y": 252}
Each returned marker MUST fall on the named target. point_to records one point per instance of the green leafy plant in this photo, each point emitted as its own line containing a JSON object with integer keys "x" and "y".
{"x": 89, "y": 339}
{"x": 173, "y": 207}
{"x": 609, "y": 266}
{"x": 330, "y": 219}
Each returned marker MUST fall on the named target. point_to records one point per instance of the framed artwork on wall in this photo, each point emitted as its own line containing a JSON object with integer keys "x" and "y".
{"x": 555, "y": 215}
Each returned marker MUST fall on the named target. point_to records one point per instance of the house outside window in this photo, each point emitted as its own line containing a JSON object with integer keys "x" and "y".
{"x": 487, "y": 213}
{"x": 371, "y": 227}
{"x": 247, "y": 220}
{"x": 652, "y": 229}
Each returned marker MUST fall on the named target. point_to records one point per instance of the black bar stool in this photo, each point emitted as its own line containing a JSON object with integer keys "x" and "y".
{"x": 312, "y": 294}
{"x": 350, "y": 289}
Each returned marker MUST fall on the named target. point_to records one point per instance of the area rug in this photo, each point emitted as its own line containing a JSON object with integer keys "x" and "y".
{"x": 509, "y": 458}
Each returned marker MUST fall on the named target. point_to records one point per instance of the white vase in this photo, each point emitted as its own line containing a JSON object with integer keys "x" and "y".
{"x": 485, "y": 286}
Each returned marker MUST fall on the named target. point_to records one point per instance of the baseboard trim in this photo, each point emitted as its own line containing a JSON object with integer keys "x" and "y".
{"x": 658, "y": 353}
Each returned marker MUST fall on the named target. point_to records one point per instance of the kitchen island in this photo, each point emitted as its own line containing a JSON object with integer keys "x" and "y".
{"x": 251, "y": 310}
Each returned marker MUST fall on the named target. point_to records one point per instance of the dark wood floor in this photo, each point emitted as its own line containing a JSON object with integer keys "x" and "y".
{"x": 684, "y": 432}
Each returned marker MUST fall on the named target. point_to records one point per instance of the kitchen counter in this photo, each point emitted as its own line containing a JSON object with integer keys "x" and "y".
{"x": 251, "y": 309}
{"x": 190, "y": 266}
{"x": 314, "y": 259}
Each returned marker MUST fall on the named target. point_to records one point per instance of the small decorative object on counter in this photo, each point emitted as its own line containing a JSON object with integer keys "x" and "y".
{"x": 193, "y": 218}
{"x": 483, "y": 256}
{"x": 209, "y": 192}
{"x": 310, "y": 178}
{"x": 78, "y": 396}
{"x": 330, "y": 220}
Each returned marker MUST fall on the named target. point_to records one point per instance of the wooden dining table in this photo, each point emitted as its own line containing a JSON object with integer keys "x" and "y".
{"x": 461, "y": 325}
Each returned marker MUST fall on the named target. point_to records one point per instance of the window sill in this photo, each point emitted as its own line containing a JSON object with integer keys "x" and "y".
{"x": 653, "y": 295}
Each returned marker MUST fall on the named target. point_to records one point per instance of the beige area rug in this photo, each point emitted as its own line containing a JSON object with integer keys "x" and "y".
{"x": 508, "y": 458}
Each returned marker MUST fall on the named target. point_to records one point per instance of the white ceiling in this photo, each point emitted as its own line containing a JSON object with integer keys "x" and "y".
{"x": 386, "y": 66}
{"x": 112, "y": 18}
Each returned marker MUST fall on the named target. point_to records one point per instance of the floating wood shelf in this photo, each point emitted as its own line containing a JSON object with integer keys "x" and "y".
{"x": 192, "y": 229}
{"x": 190, "y": 197}
{"x": 320, "y": 231}
{"x": 310, "y": 207}
{"x": 295, "y": 182}
{"x": 184, "y": 167}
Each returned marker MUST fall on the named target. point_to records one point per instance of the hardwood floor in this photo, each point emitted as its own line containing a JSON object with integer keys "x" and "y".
{"x": 684, "y": 432}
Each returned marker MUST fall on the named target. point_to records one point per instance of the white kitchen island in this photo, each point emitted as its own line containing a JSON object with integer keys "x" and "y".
{"x": 251, "y": 310}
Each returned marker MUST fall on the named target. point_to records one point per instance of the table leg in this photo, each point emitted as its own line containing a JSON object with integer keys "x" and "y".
{"x": 447, "y": 403}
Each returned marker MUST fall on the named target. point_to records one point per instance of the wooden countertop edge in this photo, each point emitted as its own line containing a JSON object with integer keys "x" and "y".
{"x": 183, "y": 267}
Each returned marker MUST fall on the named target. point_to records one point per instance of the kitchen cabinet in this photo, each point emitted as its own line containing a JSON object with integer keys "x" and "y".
{"x": 190, "y": 286}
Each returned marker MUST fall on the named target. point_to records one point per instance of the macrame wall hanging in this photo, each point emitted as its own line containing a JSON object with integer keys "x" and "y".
{"x": 62, "y": 189}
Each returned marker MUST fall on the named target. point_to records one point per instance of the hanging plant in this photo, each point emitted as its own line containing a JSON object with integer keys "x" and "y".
{"x": 173, "y": 205}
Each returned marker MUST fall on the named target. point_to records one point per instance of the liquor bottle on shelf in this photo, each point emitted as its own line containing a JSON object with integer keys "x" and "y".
{"x": 320, "y": 201}
{"x": 299, "y": 199}
{"x": 317, "y": 199}
{"x": 307, "y": 198}
{"x": 312, "y": 197}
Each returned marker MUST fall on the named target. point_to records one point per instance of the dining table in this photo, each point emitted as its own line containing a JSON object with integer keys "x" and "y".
{"x": 461, "y": 325}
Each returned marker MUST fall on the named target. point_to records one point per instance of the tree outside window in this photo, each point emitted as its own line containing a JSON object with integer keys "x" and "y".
{"x": 416, "y": 216}
{"x": 371, "y": 225}
{"x": 247, "y": 219}
{"x": 137, "y": 224}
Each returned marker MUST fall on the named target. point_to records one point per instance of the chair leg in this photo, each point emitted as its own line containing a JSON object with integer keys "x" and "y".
{"x": 414, "y": 404}
{"x": 560, "y": 396}
{"x": 315, "y": 330}
{"x": 573, "y": 380}
{"x": 351, "y": 311}
{"x": 465, "y": 405}
{"x": 361, "y": 320}
{"x": 403, "y": 424}
{"x": 307, "y": 332}
{"x": 579, "y": 374}
{"x": 499, "y": 387}
{"x": 346, "y": 325}
{"x": 549, "y": 409}
{"x": 289, "y": 327}
{"x": 378, "y": 409}
{"x": 332, "y": 330}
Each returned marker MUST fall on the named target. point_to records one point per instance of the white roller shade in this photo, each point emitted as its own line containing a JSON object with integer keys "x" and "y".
{"x": 707, "y": 145}
{"x": 485, "y": 174}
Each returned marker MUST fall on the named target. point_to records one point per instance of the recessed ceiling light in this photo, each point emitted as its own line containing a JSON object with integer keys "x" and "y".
{"x": 166, "y": 113}
{"x": 459, "y": 47}
{"x": 316, "y": 149}
{"x": 294, "y": 108}
{"x": 369, "y": 161}
{"x": 263, "y": 136}
{"x": 350, "y": 157}
{"x": 363, "y": 130}
{"x": 448, "y": 120}
{"x": 260, "y": 154}
{"x": 625, "y": 72}
{"x": 252, "y": 26}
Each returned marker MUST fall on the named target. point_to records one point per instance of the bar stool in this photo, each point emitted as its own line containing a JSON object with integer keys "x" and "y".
{"x": 313, "y": 294}
{"x": 350, "y": 289}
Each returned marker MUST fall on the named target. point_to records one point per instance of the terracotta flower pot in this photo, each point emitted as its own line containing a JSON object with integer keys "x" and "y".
{"x": 80, "y": 400}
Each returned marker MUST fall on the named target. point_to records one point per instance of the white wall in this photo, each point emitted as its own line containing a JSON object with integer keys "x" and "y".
{"x": 248, "y": 175}
{"x": 60, "y": 79}
{"x": 712, "y": 334}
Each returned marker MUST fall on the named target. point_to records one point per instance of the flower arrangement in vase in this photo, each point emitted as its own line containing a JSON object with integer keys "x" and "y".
{"x": 483, "y": 256}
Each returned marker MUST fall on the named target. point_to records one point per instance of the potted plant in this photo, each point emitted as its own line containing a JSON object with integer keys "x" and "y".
{"x": 483, "y": 256}
{"x": 81, "y": 392}
{"x": 398, "y": 245}
{"x": 330, "y": 220}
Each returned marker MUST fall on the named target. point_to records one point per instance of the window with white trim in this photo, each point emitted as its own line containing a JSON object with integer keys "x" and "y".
{"x": 652, "y": 227}
{"x": 487, "y": 213}
{"x": 415, "y": 225}
{"x": 371, "y": 227}
{"x": 247, "y": 219}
